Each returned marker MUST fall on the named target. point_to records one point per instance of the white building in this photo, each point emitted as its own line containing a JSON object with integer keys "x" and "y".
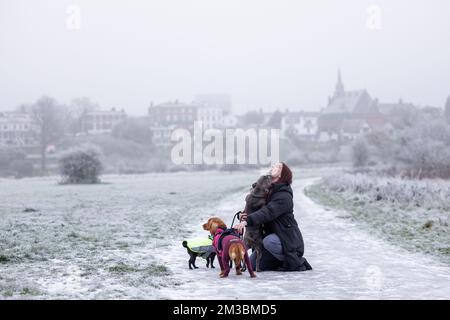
{"x": 212, "y": 117}
{"x": 166, "y": 117}
{"x": 17, "y": 129}
{"x": 300, "y": 124}
{"x": 176, "y": 113}
{"x": 100, "y": 122}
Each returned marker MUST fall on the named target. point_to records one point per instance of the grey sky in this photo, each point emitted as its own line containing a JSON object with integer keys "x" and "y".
{"x": 266, "y": 54}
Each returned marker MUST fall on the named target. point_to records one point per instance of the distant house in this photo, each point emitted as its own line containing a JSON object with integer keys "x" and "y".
{"x": 17, "y": 129}
{"x": 166, "y": 117}
{"x": 344, "y": 109}
{"x": 303, "y": 125}
{"x": 101, "y": 122}
{"x": 211, "y": 117}
{"x": 174, "y": 113}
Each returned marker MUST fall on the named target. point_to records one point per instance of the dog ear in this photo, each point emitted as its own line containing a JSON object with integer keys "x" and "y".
{"x": 222, "y": 225}
{"x": 207, "y": 225}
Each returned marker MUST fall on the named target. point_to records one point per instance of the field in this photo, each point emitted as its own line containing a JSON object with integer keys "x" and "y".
{"x": 122, "y": 240}
{"x": 100, "y": 241}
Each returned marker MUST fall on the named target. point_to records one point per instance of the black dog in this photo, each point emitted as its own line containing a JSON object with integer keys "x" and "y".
{"x": 206, "y": 252}
{"x": 255, "y": 200}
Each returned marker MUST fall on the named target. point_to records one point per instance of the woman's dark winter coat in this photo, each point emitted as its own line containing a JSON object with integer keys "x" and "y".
{"x": 278, "y": 217}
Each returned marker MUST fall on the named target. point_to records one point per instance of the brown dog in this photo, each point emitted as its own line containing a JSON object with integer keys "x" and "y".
{"x": 212, "y": 224}
{"x": 228, "y": 247}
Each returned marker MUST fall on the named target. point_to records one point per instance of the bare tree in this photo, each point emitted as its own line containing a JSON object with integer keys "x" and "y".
{"x": 48, "y": 116}
{"x": 77, "y": 109}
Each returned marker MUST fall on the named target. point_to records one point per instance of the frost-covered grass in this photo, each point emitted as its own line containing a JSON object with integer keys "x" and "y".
{"x": 412, "y": 213}
{"x": 105, "y": 240}
{"x": 122, "y": 240}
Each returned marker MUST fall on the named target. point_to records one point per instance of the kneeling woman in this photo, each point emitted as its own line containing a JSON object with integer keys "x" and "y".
{"x": 283, "y": 241}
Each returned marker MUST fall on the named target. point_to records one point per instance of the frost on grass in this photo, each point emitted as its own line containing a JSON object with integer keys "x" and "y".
{"x": 102, "y": 241}
{"x": 150, "y": 270}
{"x": 413, "y": 213}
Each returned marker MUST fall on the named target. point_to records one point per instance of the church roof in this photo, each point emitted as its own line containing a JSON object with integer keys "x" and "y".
{"x": 358, "y": 101}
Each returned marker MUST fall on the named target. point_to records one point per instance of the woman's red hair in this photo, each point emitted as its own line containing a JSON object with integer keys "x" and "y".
{"x": 286, "y": 174}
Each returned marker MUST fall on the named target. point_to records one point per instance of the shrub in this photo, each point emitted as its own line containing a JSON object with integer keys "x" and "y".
{"x": 81, "y": 165}
{"x": 408, "y": 193}
{"x": 425, "y": 150}
{"x": 360, "y": 153}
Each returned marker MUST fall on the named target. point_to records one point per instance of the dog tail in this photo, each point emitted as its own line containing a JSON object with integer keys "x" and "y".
{"x": 184, "y": 244}
{"x": 233, "y": 253}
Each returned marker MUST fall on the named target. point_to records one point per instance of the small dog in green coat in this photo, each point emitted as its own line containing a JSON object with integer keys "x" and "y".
{"x": 201, "y": 247}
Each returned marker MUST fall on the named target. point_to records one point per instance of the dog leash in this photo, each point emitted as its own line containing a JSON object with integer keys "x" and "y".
{"x": 241, "y": 236}
{"x": 235, "y": 215}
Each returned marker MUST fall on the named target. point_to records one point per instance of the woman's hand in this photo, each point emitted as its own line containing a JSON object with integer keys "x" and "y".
{"x": 240, "y": 227}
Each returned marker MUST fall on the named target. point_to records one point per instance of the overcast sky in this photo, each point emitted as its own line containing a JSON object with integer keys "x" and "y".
{"x": 269, "y": 54}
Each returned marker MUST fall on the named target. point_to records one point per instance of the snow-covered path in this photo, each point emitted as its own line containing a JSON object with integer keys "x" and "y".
{"x": 348, "y": 262}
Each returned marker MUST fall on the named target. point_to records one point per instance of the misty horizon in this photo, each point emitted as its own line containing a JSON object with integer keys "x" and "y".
{"x": 265, "y": 56}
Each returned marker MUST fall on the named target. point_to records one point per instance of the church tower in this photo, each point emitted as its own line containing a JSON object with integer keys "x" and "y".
{"x": 339, "y": 91}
